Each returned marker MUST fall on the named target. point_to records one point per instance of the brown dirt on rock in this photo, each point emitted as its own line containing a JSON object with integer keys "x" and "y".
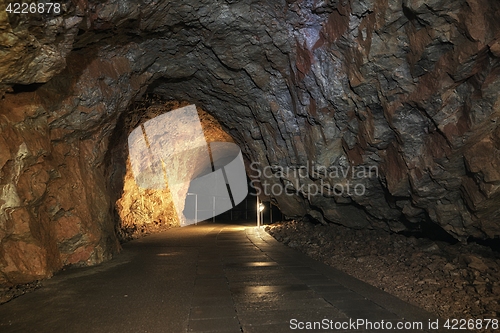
{"x": 9, "y": 293}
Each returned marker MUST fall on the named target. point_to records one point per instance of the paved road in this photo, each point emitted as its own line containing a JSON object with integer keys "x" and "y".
{"x": 205, "y": 278}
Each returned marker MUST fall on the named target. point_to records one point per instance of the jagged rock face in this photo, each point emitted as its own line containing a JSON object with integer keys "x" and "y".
{"x": 405, "y": 89}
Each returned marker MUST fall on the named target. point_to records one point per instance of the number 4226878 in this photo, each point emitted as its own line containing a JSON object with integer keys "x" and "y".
{"x": 33, "y": 8}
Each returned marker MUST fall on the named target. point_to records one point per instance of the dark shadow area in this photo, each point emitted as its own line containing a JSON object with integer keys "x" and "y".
{"x": 246, "y": 211}
{"x": 20, "y": 88}
{"x": 493, "y": 244}
{"x": 428, "y": 229}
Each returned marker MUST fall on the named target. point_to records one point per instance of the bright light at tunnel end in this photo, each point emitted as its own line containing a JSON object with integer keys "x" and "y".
{"x": 170, "y": 151}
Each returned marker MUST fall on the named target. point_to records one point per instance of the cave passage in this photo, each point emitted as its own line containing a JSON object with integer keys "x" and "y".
{"x": 175, "y": 157}
{"x": 384, "y": 116}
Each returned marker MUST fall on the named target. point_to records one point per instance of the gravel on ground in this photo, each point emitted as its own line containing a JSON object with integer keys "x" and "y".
{"x": 459, "y": 281}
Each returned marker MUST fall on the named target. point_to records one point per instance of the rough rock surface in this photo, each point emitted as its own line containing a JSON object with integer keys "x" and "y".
{"x": 405, "y": 87}
{"x": 8, "y": 293}
{"x": 452, "y": 281}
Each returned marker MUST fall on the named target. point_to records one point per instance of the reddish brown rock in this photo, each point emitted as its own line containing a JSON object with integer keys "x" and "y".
{"x": 23, "y": 262}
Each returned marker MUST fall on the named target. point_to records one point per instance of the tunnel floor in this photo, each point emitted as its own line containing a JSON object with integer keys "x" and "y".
{"x": 206, "y": 278}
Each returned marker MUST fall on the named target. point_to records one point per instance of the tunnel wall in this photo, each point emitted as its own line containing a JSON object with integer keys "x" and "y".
{"x": 407, "y": 87}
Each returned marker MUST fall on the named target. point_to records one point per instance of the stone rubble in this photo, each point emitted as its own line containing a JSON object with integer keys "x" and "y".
{"x": 9, "y": 293}
{"x": 452, "y": 281}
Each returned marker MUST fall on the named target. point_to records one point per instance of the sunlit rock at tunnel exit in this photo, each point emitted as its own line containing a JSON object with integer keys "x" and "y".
{"x": 171, "y": 151}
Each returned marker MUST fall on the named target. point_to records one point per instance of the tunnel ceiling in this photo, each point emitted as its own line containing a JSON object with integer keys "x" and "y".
{"x": 407, "y": 89}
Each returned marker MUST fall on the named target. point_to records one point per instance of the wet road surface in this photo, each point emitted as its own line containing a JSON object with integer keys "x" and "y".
{"x": 207, "y": 278}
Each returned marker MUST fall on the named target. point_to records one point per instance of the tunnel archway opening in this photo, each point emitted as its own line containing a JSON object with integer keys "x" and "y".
{"x": 141, "y": 211}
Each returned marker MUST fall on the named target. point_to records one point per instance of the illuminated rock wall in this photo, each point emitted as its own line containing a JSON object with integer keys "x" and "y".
{"x": 143, "y": 211}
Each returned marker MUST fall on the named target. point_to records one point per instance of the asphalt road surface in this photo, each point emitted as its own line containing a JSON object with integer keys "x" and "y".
{"x": 208, "y": 278}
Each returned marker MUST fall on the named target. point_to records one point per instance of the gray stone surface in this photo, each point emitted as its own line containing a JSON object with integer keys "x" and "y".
{"x": 204, "y": 278}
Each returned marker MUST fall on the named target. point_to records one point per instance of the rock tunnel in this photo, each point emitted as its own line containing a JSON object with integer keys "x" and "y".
{"x": 374, "y": 115}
